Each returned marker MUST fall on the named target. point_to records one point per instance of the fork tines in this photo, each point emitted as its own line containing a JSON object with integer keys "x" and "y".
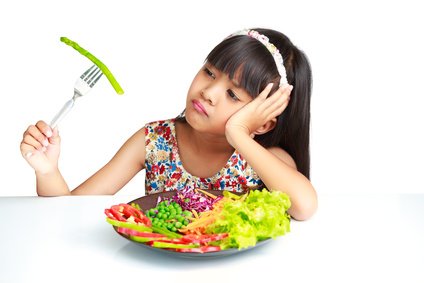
{"x": 91, "y": 79}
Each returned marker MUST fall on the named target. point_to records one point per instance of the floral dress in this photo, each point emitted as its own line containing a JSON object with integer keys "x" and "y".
{"x": 164, "y": 171}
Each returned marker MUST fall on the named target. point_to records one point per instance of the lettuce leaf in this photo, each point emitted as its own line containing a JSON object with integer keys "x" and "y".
{"x": 261, "y": 215}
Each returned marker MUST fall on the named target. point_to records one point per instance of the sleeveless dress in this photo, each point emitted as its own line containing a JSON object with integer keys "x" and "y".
{"x": 164, "y": 171}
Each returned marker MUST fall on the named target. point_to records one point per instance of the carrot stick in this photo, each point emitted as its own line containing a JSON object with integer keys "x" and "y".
{"x": 208, "y": 194}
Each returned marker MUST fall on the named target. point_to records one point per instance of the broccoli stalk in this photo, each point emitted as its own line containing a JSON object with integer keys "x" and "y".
{"x": 96, "y": 61}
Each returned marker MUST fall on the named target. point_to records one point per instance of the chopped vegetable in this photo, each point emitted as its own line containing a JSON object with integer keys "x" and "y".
{"x": 201, "y": 239}
{"x": 96, "y": 61}
{"x": 261, "y": 215}
{"x": 136, "y": 233}
{"x": 127, "y": 216}
{"x": 162, "y": 245}
{"x": 199, "y": 224}
{"x": 174, "y": 240}
{"x": 136, "y": 227}
{"x": 127, "y": 213}
{"x": 201, "y": 249}
{"x": 142, "y": 239}
{"x": 168, "y": 215}
{"x": 164, "y": 231}
{"x": 189, "y": 199}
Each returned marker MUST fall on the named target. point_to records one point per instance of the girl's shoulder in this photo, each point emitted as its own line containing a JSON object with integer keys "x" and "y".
{"x": 283, "y": 155}
{"x": 160, "y": 127}
{"x": 169, "y": 123}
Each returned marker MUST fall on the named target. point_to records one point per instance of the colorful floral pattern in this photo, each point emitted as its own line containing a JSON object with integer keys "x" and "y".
{"x": 164, "y": 171}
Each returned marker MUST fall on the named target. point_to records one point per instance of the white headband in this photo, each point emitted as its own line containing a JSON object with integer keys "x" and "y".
{"x": 271, "y": 48}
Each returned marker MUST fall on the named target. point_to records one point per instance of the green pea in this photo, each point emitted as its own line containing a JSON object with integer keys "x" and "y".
{"x": 185, "y": 222}
{"x": 174, "y": 229}
{"x": 180, "y": 218}
{"x": 188, "y": 213}
{"x": 178, "y": 224}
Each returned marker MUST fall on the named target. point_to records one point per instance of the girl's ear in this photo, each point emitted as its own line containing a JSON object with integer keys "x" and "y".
{"x": 268, "y": 126}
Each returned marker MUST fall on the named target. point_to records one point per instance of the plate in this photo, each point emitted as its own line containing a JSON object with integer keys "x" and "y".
{"x": 150, "y": 201}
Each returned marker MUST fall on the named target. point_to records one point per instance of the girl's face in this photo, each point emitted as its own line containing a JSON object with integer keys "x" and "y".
{"x": 212, "y": 99}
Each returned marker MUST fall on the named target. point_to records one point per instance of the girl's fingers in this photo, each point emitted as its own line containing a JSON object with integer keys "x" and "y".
{"x": 27, "y": 150}
{"x": 279, "y": 97}
{"x": 280, "y": 110}
{"x": 31, "y": 141}
{"x": 44, "y": 128}
{"x": 37, "y": 135}
{"x": 278, "y": 102}
{"x": 35, "y": 138}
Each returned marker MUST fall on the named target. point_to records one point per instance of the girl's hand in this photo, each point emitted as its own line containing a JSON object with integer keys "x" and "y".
{"x": 258, "y": 112}
{"x": 40, "y": 147}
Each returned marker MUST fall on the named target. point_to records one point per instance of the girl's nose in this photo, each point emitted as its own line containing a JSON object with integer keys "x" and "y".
{"x": 210, "y": 94}
{"x": 206, "y": 97}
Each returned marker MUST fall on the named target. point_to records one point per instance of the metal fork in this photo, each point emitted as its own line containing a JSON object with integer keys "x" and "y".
{"x": 82, "y": 86}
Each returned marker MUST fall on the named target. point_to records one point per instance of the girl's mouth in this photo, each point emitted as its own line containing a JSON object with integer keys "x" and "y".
{"x": 199, "y": 106}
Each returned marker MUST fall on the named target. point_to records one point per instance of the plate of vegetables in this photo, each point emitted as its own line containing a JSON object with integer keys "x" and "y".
{"x": 196, "y": 223}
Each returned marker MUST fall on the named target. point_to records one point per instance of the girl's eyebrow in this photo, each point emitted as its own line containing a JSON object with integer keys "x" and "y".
{"x": 235, "y": 83}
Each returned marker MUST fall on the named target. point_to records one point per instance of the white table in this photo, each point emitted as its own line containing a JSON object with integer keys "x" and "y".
{"x": 352, "y": 238}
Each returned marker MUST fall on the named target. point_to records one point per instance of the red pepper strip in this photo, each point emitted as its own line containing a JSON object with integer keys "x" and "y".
{"x": 117, "y": 223}
{"x": 202, "y": 249}
{"x": 114, "y": 211}
{"x": 200, "y": 239}
{"x": 139, "y": 217}
{"x": 130, "y": 210}
{"x": 109, "y": 213}
{"x": 132, "y": 232}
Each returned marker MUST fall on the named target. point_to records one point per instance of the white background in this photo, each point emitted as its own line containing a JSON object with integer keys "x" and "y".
{"x": 367, "y": 59}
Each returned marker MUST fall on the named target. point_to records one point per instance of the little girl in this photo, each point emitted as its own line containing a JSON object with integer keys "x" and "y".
{"x": 238, "y": 131}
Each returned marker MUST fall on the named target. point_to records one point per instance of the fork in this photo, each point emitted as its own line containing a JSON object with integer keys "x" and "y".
{"x": 82, "y": 86}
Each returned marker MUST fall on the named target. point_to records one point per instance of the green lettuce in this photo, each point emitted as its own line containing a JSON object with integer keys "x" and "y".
{"x": 261, "y": 215}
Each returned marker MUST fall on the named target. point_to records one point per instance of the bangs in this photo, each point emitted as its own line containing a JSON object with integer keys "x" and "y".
{"x": 247, "y": 61}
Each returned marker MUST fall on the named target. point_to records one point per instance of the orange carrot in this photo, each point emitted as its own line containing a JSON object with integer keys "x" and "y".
{"x": 208, "y": 194}
{"x": 206, "y": 218}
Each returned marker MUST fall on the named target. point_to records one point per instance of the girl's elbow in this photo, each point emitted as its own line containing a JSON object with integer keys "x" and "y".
{"x": 304, "y": 210}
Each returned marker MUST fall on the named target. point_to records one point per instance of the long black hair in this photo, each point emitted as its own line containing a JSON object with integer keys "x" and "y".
{"x": 249, "y": 62}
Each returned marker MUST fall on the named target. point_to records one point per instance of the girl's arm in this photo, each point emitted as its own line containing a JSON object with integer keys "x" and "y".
{"x": 43, "y": 144}
{"x": 274, "y": 166}
{"x": 126, "y": 163}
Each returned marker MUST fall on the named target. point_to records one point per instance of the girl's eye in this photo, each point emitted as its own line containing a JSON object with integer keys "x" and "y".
{"x": 232, "y": 95}
{"x": 209, "y": 72}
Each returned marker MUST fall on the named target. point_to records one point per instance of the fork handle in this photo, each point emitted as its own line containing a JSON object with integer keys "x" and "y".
{"x": 62, "y": 113}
